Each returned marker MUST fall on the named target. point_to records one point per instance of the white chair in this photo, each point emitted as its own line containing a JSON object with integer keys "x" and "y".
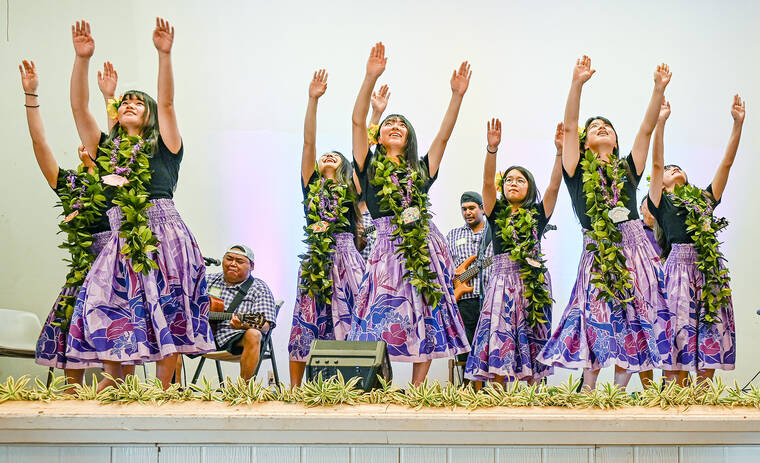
{"x": 18, "y": 333}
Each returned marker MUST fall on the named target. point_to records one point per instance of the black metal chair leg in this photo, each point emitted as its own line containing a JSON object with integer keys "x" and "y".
{"x": 219, "y": 372}
{"x": 198, "y": 370}
{"x": 274, "y": 362}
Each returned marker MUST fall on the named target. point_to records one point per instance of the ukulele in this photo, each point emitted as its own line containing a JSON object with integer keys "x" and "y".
{"x": 463, "y": 274}
{"x": 217, "y": 313}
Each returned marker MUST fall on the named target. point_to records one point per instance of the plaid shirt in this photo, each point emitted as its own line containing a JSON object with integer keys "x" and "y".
{"x": 463, "y": 243}
{"x": 259, "y": 299}
{"x": 371, "y": 237}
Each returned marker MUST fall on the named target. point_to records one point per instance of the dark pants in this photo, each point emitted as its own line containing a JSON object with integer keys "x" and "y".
{"x": 470, "y": 311}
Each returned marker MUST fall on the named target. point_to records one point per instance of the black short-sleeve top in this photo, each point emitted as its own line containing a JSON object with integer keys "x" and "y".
{"x": 498, "y": 243}
{"x": 672, "y": 218}
{"x": 164, "y": 167}
{"x": 369, "y": 191}
{"x": 101, "y": 225}
{"x": 349, "y": 204}
{"x": 578, "y": 197}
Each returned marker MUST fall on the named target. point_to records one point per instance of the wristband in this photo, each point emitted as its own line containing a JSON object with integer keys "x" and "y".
{"x": 492, "y": 152}
{"x": 31, "y": 106}
{"x": 30, "y": 94}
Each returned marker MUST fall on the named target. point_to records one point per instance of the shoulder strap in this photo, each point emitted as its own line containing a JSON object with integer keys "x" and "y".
{"x": 485, "y": 241}
{"x": 242, "y": 291}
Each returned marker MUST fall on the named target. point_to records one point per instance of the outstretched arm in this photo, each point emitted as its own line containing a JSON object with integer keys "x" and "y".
{"x": 375, "y": 67}
{"x": 317, "y": 88}
{"x": 582, "y": 72}
{"x": 163, "y": 39}
{"x": 460, "y": 80}
{"x": 84, "y": 47}
{"x": 42, "y": 151}
{"x": 493, "y": 133}
{"x": 721, "y": 176}
{"x": 641, "y": 143}
{"x": 552, "y": 191}
{"x": 658, "y": 155}
{"x": 379, "y": 103}
{"x": 107, "y": 80}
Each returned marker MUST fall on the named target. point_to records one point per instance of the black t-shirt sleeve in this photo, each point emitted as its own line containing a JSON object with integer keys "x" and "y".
{"x": 656, "y": 211}
{"x": 632, "y": 165}
{"x": 425, "y": 161}
{"x": 164, "y": 149}
{"x": 541, "y": 219}
{"x": 305, "y": 188}
{"x": 60, "y": 180}
{"x": 709, "y": 189}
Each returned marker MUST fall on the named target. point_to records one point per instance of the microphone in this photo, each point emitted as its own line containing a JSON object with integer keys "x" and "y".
{"x": 211, "y": 261}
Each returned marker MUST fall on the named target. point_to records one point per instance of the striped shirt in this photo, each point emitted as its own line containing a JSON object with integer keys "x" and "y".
{"x": 463, "y": 243}
{"x": 259, "y": 299}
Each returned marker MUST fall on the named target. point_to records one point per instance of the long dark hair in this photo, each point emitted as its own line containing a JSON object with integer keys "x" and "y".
{"x": 532, "y": 196}
{"x": 345, "y": 175}
{"x": 410, "y": 150}
{"x": 150, "y": 119}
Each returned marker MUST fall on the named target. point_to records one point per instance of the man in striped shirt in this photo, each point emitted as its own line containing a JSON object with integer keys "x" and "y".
{"x": 464, "y": 242}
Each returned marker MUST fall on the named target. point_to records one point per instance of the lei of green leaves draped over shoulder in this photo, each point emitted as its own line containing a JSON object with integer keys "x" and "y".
{"x": 82, "y": 200}
{"x": 520, "y": 235}
{"x": 609, "y": 273}
{"x": 702, "y": 226}
{"x": 410, "y": 239}
{"x": 326, "y": 209}
{"x": 129, "y": 156}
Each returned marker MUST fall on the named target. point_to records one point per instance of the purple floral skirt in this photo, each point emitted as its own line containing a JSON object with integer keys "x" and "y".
{"x": 389, "y": 309}
{"x": 637, "y": 337}
{"x": 124, "y": 316}
{"x": 51, "y": 345}
{"x": 696, "y": 345}
{"x": 328, "y": 321}
{"x": 505, "y": 344}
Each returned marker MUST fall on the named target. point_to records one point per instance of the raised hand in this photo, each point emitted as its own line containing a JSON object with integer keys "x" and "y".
{"x": 493, "y": 133}
{"x": 662, "y": 76}
{"x": 318, "y": 84}
{"x": 559, "y": 136}
{"x": 460, "y": 80}
{"x": 29, "y": 80}
{"x": 84, "y": 44}
{"x": 163, "y": 36}
{"x": 107, "y": 80}
{"x": 582, "y": 71}
{"x": 380, "y": 99}
{"x": 664, "y": 112}
{"x": 738, "y": 109}
{"x": 377, "y": 60}
{"x": 84, "y": 156}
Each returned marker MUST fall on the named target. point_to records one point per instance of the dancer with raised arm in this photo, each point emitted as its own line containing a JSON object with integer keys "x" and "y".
{"x": 697, "y": 282}
{"x": 145, "y": 298}
{"x": 616, "y": 314}
{"x": 516, "y": 318}
{"x": 332, "y": 268}
{"x": 406, "y": 298}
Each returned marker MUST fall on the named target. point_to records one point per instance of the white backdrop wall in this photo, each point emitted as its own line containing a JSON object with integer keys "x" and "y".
{"x": 242, "y": 70}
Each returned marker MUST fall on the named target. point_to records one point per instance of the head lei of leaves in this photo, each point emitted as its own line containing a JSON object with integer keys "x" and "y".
{"x": 412, "y": 244}
{"x": 327, "y": 206}
{"x": 120, "y": 151}
{"x": 82, "y": 200}
{"x": 609, "y": 273}
{"x": 703, "y": 227}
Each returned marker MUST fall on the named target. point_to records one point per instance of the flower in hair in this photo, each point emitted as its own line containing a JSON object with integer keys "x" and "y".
{"x": 581, "y": 133}
{"x": 498, "y": 179}
{"x": 112, "y": 107}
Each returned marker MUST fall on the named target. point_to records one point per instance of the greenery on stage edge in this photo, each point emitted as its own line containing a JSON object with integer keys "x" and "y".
{"x": 337, "y": 391}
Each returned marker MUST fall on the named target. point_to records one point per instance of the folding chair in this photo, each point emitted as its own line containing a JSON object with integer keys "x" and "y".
{"x": 266, "y": 353}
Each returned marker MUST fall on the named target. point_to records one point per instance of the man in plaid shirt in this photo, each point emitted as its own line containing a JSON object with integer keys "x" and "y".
{"x": 234, "y": 336}
{"x": 464, "y": 242}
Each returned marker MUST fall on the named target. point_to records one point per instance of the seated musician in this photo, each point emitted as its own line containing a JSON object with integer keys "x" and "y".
{"x": 464, "y": 242}
{"x": 235, "y": 336}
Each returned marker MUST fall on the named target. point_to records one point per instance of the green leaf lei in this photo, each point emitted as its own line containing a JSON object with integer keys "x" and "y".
{"x": 703, "y": 227}
{"x": 603, "y": 187}
{"x": 326, "y": 209}
{"x": 520, "y": 235}
{"x": 411, "y": 243}
{"x": 129, "y": 157}
{"x": 82, "y": 200}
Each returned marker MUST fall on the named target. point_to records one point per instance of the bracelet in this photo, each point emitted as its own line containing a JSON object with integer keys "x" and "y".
{"x": 32, "y": 106}
{"x": 492, "y": 152}
{"x": 31, "y": 94}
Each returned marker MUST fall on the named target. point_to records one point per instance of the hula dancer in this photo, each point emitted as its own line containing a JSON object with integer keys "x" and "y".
{"x": 516, "y": 318}
{"x": 332, "y": 268}
{"x": 617, "y": 313}
{"x": 697, "y": 282}
{"x": 145, "y": 298}
{"x": 406, "y": 297}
